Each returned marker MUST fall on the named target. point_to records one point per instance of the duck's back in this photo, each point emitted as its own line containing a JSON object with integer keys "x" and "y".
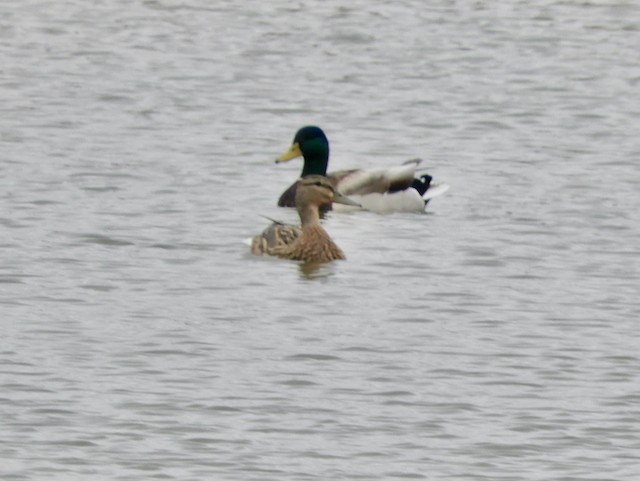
{"x": 274, "y": 239}
{"x": 309, "y": 244}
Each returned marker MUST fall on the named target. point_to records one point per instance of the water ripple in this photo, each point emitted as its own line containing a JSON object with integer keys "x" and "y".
{"x": 494, "y": 337}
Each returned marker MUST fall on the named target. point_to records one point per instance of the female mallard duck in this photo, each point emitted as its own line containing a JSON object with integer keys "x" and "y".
{"x": 308, "y": 242}
{"x": 381, "y": 190}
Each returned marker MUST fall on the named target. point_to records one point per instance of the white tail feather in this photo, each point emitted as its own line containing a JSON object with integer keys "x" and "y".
{"x": 435, "y": 190}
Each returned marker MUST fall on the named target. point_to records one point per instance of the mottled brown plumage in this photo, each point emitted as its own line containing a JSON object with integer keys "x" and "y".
{"x": 308, "y": 242}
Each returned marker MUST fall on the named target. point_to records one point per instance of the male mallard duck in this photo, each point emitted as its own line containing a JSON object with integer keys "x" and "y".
{"x": 381, "y": 190}
{"x": 308, "y": 242}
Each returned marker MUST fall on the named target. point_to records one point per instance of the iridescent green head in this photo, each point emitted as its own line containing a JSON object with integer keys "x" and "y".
{"x": 310, "y": 143}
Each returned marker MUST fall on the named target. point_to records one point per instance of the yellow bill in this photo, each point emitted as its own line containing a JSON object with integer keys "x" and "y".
{"x": 293, "y": 152}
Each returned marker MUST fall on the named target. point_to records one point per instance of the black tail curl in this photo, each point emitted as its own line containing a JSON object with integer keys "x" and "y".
{"x": 422, "y": 184}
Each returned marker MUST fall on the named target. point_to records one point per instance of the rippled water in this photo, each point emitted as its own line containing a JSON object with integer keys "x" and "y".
{"x": 495, "y": 337}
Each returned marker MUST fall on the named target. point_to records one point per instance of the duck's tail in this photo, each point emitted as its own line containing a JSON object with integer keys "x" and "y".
{"x": 422, "y": 183}
{"x": 428, "y": 189}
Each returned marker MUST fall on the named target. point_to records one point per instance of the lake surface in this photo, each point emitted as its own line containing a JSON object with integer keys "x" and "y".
{"x": 495, "y": 337}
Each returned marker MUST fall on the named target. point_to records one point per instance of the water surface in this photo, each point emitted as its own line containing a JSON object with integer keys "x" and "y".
{"x": 493, "y": 337}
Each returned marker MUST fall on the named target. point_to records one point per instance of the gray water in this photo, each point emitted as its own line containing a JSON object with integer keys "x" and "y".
{"x": 494, "y": 337}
